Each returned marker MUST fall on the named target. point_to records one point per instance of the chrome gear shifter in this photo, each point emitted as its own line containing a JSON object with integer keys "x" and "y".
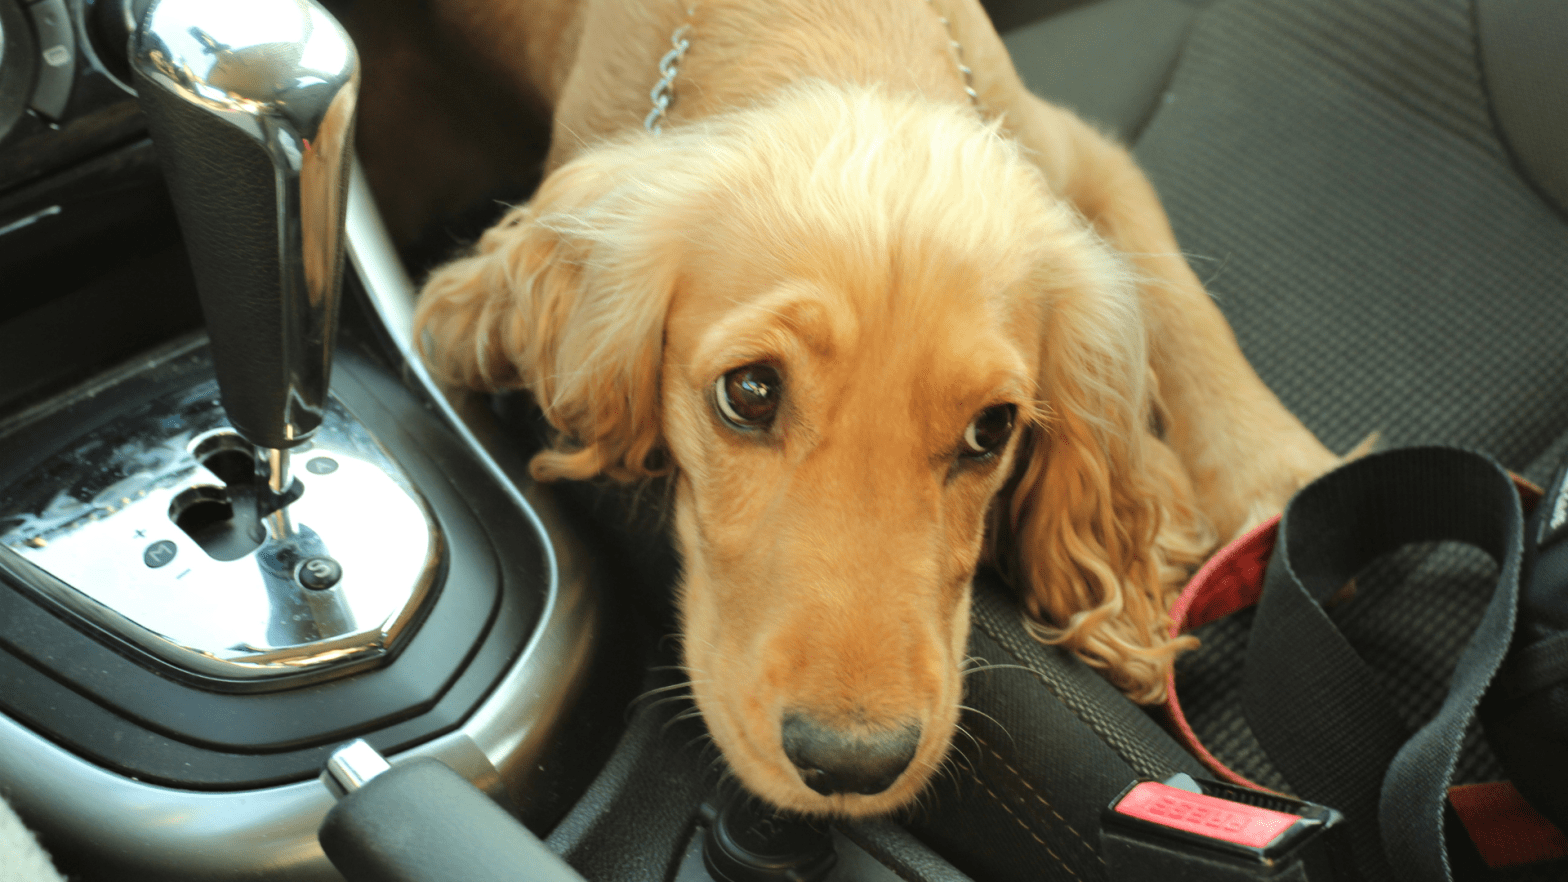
{"x": 251, "y": 105}
{"x": 178, "y": 528}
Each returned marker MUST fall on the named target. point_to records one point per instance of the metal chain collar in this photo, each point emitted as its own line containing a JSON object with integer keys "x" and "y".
{"x": 958, "y": 57}
{"x": 663, "y": 93}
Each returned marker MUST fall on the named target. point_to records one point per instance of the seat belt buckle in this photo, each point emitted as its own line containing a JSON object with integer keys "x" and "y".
{"x": 1184, "y": 828}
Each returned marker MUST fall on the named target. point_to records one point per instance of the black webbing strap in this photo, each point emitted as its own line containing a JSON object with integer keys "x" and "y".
{"x": 1313, "y": 703}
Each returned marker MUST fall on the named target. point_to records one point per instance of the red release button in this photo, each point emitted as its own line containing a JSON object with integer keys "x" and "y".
{"x": 1205, "y": 815}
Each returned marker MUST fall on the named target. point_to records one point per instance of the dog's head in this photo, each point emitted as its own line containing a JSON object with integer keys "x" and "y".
{"x": 847, "y": 321}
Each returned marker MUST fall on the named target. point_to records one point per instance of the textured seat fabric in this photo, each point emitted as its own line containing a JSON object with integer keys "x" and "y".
{"x": 1335, "y": 173}
{"x": 1524, "y": 65}
{"x": 1332, "y": 168}
{"x": 1385, "y": 266}
{"x": 1109, "y": 61}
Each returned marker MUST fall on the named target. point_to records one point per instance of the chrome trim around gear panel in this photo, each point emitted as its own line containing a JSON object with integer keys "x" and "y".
{"x": 155, "y": 529}
{"x": 566, "y": 638}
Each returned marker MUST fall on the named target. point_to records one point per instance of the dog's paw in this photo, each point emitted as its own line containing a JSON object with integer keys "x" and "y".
{"x": 1257, "y": 483}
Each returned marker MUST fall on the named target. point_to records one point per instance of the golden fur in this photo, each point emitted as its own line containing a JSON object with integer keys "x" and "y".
{"x": 825, "y": 199}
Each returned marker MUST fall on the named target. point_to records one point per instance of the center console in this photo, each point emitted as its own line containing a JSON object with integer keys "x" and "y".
{"x": 225, "y": 552}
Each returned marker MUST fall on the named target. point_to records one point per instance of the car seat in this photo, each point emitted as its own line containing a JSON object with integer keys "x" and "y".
{"x": 1374, "y": 192}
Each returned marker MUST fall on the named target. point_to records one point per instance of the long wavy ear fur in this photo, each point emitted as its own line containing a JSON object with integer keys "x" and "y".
{"x": 566, "y": 297}
{"x": 1101, "y": 515}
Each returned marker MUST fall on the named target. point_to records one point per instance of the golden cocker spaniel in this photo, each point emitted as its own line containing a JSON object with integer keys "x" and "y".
{"x": 882, "y": 314}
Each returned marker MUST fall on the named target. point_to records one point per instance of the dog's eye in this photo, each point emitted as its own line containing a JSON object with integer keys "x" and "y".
{"x": 748, "y": 397}
{"x": 989, "y": 430}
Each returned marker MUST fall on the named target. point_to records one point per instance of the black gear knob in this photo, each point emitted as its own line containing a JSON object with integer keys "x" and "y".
{"x": 251, "y": 105}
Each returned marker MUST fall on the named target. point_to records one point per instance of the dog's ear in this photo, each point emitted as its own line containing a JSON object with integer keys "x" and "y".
{"x": 1101, "y": 522}
{"x": 566, "y": 297}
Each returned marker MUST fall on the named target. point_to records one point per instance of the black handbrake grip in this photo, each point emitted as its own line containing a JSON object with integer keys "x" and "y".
{"x": 419, "y": 821}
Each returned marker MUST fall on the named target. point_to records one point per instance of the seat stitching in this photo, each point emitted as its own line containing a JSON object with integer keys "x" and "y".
{"x": 1020, "y": 821}
{"x": 1037, "y": 795}
{"x": 1067, "y": 695}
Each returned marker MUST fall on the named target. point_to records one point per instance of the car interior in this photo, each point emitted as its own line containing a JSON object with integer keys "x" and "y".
{"x": 193, "y": 624}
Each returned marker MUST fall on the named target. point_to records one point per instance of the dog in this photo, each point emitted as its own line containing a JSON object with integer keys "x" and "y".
{"x": 880, "y": 314}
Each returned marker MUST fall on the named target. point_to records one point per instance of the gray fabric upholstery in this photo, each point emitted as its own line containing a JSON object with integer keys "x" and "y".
{"x": 1009, "y": 14}
{"x": 1353, "y": 192}
{"x": 1524, "y": 56}
{"x": 1108, "y": 61}
{"x": 1332, "y": 171}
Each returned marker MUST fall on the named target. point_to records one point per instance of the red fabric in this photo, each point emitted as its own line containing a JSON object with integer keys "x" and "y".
{"x": 1506, "y": 830}
{"x": 1189, "y": 740}
{"x": 1231, "y": 580}
{"x": 1529, "y": 494}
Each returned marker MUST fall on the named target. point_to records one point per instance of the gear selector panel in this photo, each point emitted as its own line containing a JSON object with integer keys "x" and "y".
{"x": 160, "y": 530}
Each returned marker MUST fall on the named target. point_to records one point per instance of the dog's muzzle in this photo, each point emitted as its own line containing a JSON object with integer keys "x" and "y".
{"x": 832, "y": 762}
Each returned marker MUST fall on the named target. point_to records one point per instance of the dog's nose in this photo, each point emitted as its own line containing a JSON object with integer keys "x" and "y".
{"x": 832, "y": 761}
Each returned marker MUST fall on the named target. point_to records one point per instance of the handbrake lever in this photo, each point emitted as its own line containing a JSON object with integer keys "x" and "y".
{"x": 419, "y": 821}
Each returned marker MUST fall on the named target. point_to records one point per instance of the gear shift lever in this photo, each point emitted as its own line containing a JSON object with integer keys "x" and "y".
{"x": 251, "y": 105}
